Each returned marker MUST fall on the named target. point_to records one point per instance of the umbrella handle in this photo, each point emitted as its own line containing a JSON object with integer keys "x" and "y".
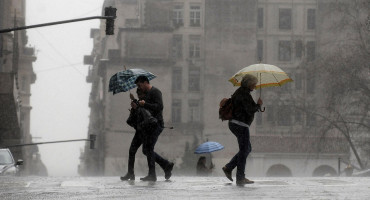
{"x": 262, "y": 110}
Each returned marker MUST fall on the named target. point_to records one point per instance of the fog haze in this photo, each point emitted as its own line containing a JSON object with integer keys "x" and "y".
{"x": 60, "y": 94}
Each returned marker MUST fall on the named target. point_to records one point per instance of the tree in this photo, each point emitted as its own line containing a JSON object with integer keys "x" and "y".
{"x": 342, "y": 67}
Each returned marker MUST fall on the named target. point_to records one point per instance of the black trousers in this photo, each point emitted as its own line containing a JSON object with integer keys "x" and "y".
{"x": 136, "y": 142}
{"x": 150, "y": 138}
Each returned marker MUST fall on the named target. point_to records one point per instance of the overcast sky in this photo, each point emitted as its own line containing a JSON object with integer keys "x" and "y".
{"x": 60, "y": 94}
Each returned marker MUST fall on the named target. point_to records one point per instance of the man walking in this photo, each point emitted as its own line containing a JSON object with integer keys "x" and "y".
{"x": 154, "y": 104}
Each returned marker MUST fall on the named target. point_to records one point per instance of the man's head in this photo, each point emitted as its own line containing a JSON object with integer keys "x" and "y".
{"x": 249, "y": 81}
{"x": 142, "y": 83}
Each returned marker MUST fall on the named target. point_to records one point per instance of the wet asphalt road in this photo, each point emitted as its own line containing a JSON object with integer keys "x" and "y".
{"x": 183, "y": 188}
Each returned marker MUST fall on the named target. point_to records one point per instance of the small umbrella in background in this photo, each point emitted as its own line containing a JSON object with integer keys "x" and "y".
{"x": 125, "y": 80}
{"x": 267, "y": 75}
{"x": 208, "y": 147}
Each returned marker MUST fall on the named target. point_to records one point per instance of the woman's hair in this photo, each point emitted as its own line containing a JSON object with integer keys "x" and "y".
{"x": 201, "y": 159}
{"x": 248, "y": 80}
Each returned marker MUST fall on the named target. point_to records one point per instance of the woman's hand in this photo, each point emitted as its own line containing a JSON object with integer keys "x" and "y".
{"x": 259, "y": 101}
{"x": 141, "y": 102}
{"x": 133, "y": 105}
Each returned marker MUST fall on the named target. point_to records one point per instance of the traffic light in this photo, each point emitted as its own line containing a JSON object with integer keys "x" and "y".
{"x": 92, "y": 141}
{"x": 109, "y": 26}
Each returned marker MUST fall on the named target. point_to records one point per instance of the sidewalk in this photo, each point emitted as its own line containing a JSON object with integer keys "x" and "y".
{"x": 184, "y": 188}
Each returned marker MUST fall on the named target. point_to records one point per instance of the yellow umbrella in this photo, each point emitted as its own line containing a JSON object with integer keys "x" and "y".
{"x": 267, "y": 75}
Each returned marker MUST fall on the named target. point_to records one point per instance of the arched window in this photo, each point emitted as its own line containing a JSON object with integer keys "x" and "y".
{"x": 324, "y": 170}
{"x": 278, "y": 170}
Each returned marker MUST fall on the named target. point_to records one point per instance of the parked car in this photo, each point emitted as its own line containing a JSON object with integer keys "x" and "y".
{"x": 8, "y": 167}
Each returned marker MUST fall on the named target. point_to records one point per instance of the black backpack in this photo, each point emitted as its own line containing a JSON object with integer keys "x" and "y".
{"x": 226, "y": 109}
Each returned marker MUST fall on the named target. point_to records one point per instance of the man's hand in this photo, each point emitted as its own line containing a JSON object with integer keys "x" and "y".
{"x": 141, "y": 102}
{"x": 259, "y": 101}
{"x": 133, "y": 105}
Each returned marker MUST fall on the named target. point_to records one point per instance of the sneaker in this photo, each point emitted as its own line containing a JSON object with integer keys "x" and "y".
{"x": 149, "y": 178}
{"x": 127, "y": 177}
{"x": 244, "y": 181}
{"x": 228, "y": 173}
{"x": 168, "y": 170}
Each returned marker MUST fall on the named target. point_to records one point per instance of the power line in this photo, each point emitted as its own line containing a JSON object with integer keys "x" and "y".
{"x": 60, "y": 67}
{"x": 58, "y": 52}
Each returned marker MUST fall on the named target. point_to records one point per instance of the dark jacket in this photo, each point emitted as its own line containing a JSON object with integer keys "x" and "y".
{"x": 154, "y": 104}
{"x": 244, "y": 106}
{"x": 140, "y": 118}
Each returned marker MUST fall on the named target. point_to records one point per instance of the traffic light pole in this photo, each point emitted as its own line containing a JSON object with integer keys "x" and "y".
{"x": 92, "y": 142}
{"x": 110, "y": 15}
{"x": 54, "y": 23}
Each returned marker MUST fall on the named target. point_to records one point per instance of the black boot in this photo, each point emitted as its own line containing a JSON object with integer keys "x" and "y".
{"x": 149, "y": 178}
{"x": 227, "y": 173}
{"x": 128, "y": 176}
{"x": 168, "y": 170}
{"x": 244, "y": 181}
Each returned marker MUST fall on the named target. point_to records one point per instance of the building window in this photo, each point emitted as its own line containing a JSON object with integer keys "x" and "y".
{"x": 285, "y": 51}
{"x": 285, "y": 18}
{"x": 176, "y": 110}
{"x": 298, "y": 116}
{"x": 24, "y": 82}
{"x": 310, "y": 85}
{"x": 284, "y": 118}
{"x": 260, "y": 17}
{"x": 260, "y": 50}
{"x": 298, "y": 81}
{"x": 311, "y": 50}
{"x": 298, "y": 48}
{"x": 311, "y": 19}
{"x": 178, "y": 15}
{"x": 194, "y": 16}
{"x": 310, "y": 117}
{"x": 194, "y": 79}
{"x": 194, "y": 111}
{"x": 194, "y": 47}
{"x": 177, "y": 46}
{"x": 177, "y": 79}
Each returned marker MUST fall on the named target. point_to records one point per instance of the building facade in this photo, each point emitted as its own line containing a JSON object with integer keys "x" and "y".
{"x": 194, "y": 47}
{"x": 16, "y": 77}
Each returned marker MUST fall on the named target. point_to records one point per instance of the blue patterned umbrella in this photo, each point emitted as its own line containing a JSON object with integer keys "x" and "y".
{"x": 208, "y": 147}
{"x": 125, "y": 80}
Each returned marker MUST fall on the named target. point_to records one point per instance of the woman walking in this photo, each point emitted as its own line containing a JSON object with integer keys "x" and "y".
{"x": 243, "y": 111}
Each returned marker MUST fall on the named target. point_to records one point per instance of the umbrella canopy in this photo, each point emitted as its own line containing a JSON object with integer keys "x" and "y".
{"x": 268, "y": 75}
{"x": 208, "y": 147}
{"x": 125, "y": 80}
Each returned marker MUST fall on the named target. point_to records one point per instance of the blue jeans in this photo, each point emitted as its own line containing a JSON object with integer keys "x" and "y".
{"x": 245, "y": 147}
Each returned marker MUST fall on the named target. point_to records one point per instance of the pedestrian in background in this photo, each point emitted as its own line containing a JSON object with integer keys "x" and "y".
{"x": 202, "y": 169}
